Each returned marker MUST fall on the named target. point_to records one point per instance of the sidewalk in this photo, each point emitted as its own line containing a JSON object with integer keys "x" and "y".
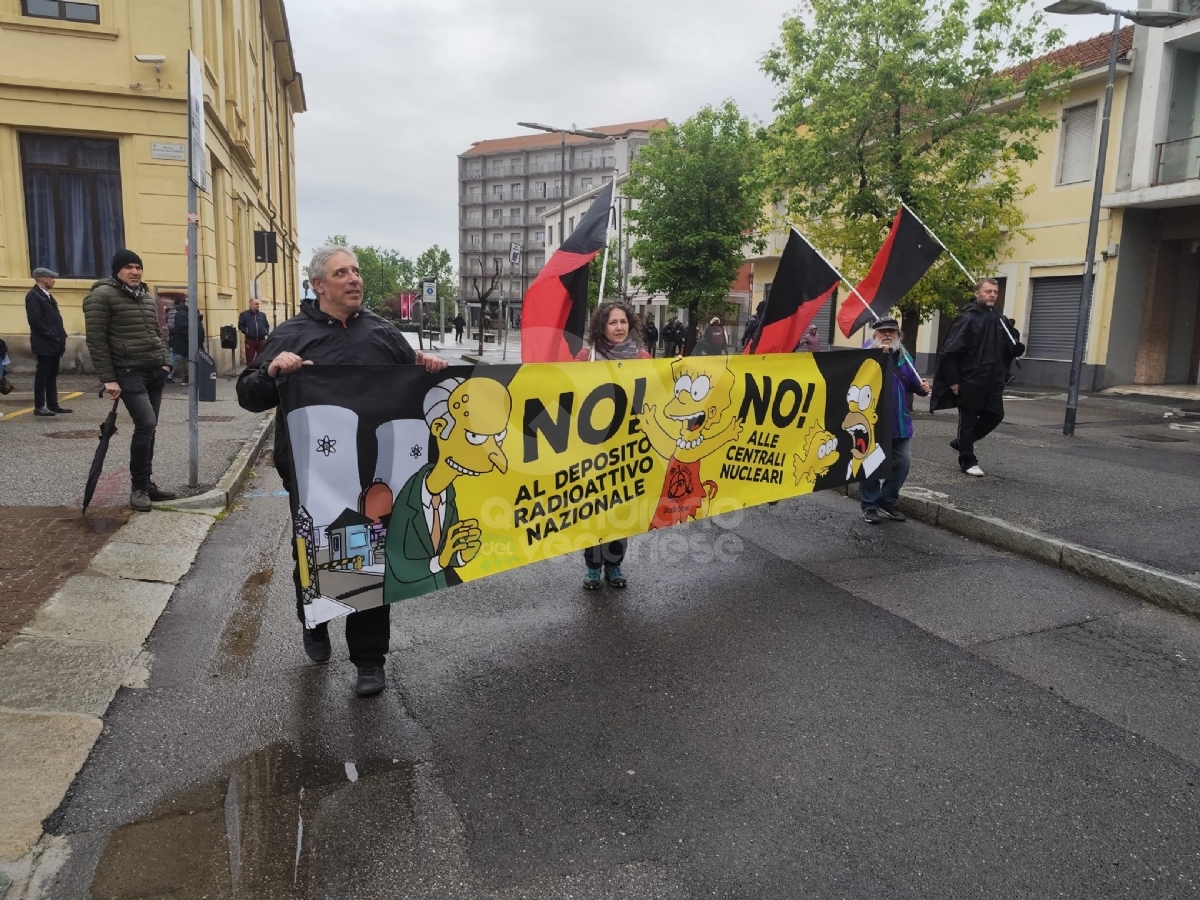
{"x": 1126, "y": 485}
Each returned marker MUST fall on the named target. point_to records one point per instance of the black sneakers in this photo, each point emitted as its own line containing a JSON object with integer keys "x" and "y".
{"x": 371, "y": 680}
{"x": 893, "y": 513}
{"x": 316, "y": 644}
{"x": 871, "y": 516}
{"x": 60, "y": 410}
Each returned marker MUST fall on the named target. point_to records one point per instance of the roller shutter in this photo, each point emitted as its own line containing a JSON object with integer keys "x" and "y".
{"x": 1053, "y": 315}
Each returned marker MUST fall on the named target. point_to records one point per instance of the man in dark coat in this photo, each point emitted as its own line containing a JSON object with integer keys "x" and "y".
{"x": 253, "y": 325}
{"x": 972, "y": 370}
{"x": 47, "y": 340}
{"x": 333, "y": 330}
{"x": 459, "y": 324}
{"x": 181, "y": 336}
{"x": 132, "y": 360}
{"x": 650, "y": 333}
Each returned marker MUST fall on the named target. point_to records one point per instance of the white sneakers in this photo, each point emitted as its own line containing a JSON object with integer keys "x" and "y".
{"x": 974, "y": 470}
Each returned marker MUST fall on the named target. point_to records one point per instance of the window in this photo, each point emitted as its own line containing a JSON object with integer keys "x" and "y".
{"x": 605, "y": 179}
{"x": 72, "y": 203}
{"x": 516, "y": 190}
{"x": 497, "y": 215}
{"x": 571, "y": 225}
{"x": 62, "y": 9}
{"x": 539, "y": 236}
{"x": 585, "y": 184}
{"x": 1078, "y": 139}
{"x": 539, "y": 189}
{"x": 498, "y": 191}
{"x": 550, "y": 234}
{"x": 539, "y": 211}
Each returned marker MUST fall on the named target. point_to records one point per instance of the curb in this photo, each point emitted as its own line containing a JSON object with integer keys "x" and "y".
{"x": 235, "y": 476}
{"x": 1155, "y": 585}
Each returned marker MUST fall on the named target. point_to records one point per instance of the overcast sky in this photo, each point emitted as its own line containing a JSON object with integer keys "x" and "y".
{"x": 397, "y": 89}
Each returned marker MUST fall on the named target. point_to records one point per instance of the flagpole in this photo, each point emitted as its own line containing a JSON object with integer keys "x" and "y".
{"x": 853, "y": 290}
{"x": 607, "y": 227}
{"x": 958, "y": 262}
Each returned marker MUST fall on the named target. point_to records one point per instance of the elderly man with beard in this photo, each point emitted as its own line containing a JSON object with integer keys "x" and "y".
{"x": 883, "y": 495}
{"x": 334, "y": 330}
{"x": 973, "y": 369}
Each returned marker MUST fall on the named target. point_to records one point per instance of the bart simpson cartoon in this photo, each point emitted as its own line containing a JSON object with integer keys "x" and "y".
{"x": 701, "y": 413}
{"x": 469, "y": 420}
{"x": 863, "y": 401}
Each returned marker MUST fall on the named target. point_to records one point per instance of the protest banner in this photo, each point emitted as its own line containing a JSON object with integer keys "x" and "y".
{"x": 409, "y": 482}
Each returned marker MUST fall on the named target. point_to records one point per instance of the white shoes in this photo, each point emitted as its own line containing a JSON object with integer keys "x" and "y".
{"x": 974, "y": 470}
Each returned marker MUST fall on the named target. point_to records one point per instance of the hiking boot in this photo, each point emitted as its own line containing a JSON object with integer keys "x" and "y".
{"x": 371, "y": 680}
{"x": 139, "y": 500}
{"x": 892, "y": 512}
{"x": 591, "y": 581}
{"x": 44, "y": 411}
{"x": 612, "y": 574}
{"x": 871, "y": 516}
{"x": 157, "y": 494}
{"x": 975, "y": 471}
{"x": 316, "y": 644}
{"x": 60, "y": 410}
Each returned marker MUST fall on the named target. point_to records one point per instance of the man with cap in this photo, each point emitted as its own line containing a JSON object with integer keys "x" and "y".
{"x": 883, "y": 495}
{"x": 47, "y": 340}
{"x": 132, "y": 360}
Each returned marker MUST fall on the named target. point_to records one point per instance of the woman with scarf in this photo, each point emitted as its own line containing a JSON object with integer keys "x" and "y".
{"x": 614, "y": 333}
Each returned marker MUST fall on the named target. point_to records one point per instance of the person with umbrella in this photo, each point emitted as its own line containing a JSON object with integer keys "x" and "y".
{"x": 131, "y": 358}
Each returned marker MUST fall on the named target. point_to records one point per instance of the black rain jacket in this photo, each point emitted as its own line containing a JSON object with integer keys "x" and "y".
{"x": 976, "y": 356}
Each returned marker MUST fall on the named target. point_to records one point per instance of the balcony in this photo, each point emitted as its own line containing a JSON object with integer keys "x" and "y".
{"x": 505, "y": 171}
{"x": 506, "y": 197}
{"x": 472, "y": 175}
{"x": 591, "y": 164}
{"x": 1177, "y": 161}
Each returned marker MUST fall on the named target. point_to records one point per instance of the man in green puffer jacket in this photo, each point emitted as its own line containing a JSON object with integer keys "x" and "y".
{"x": 132, "y": 360}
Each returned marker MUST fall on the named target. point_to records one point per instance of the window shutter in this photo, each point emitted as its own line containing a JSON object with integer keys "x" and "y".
{"x": 1079, "y": 137}
{"x": 1053, "y": 316}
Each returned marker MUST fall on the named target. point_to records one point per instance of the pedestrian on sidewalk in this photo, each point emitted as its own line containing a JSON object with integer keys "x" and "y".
{"x": 459, "y": 324}
{"x": 810, "y": 341}
{"x": 47, "y": 340}
{"x": 253, "y": 325}
{"x": 363, "y": 339}
{"x": 181, "y": 338}
{"x": 614, "y": 333}
{"x": 883, "y": 495}
{"x": 650, "y": 332}
{"x": 131, "y": 358}
{"x": 973, "y": 369}
{"x": 714, "y": 342}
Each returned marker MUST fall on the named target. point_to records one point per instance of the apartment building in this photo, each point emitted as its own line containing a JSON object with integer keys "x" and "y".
{"x": 93, "y": 153}
{"x": 507, "y": 187}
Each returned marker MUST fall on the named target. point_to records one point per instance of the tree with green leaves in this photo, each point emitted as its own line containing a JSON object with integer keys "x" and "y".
{"x": 384, "y": 271}
{"x": 929, "y": 102}
{"x": 699, "y": 199}
{"x": 436, "y": 265}
{"x": 612, "y": 277}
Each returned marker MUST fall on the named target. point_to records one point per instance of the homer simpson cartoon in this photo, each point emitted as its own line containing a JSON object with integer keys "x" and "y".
{"x": 701, "y": 414}
{"x": 469, "y": 420}
{"x": 863, "y": 401}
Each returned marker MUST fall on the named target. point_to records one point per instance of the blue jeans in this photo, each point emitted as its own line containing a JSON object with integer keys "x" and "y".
{"x": 875, "y": 493}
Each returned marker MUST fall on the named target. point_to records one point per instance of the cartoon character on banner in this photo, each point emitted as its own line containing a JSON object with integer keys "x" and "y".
{"x": 818, "y": 454}
{"x": 863, "y": 401}
{"x": 468, "y": 419}
{"x": 695, "y": 423}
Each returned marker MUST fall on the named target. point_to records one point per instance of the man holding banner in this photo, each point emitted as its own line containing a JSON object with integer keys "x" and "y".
{"x": 332, "y": 330}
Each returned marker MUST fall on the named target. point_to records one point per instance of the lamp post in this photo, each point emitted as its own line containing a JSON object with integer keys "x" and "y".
{"x": 1150, "y": 18}
{"x": 562, "y": 164}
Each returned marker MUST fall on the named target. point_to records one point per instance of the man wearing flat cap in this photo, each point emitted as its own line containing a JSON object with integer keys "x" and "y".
{"x": 47, "y": 340}
{"x": 132, "y": 360}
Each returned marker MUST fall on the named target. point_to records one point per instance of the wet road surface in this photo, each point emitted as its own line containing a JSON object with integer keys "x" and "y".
{"x": 790, "y": 704}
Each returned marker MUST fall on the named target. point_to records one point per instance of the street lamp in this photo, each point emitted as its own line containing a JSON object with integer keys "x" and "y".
{"x": 1150, "y": 18}
{"x": 562, "y": 163}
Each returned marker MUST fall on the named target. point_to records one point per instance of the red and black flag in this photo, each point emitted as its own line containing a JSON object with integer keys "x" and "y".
{"x": 905, "y": 256}
{"x": 554, "y": 312}
{"x": 802, "y": 284}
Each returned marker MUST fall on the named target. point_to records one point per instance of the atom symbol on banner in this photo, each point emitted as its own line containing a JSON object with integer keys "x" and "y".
{"x": 326, "y": 444}
{"x": 416, "y": 452}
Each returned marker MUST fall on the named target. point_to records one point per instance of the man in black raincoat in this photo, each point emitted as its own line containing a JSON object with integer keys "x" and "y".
{"x": 972, "y": 370}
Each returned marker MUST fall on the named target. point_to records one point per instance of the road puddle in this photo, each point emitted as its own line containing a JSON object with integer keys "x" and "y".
{"x": 274, "y": 826}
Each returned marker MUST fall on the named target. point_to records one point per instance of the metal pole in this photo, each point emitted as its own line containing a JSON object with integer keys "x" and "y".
{"x": 562, "y": 190}
{"x": 193, "y": 338}
{"x": 1085, "y": 299}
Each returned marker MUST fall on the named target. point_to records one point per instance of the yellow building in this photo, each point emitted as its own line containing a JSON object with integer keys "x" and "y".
{"x": 93, "y": 134}
{"x": 1041, "y": 278}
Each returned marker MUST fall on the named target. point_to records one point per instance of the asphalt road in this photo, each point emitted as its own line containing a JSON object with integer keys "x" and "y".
{"x": 790, "y": 704}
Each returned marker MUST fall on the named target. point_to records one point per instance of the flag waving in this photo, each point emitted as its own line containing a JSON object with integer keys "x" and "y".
{"x": 554, "y": 312}
{"x": 905, "y": 256}
{"x": 801, "y": 286}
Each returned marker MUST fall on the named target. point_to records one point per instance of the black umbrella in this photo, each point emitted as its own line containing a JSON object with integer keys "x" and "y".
{"x": 107, "y": 429}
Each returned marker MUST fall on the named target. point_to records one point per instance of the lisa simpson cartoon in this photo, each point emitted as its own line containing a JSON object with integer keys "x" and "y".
{"x": 696, "y": 422}
{"x": 863, "y": 401}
